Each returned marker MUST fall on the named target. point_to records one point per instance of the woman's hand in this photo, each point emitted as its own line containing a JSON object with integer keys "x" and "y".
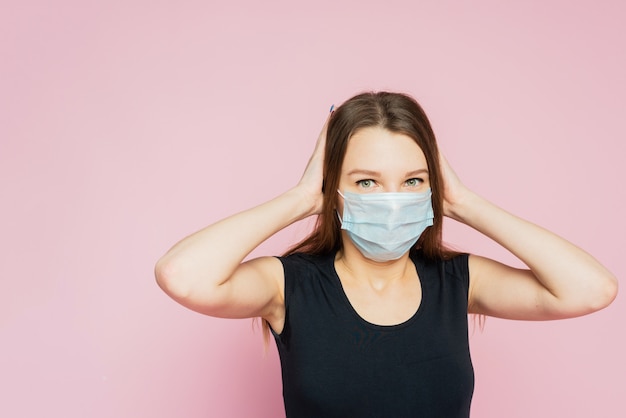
{"x": 310, "y": 184}
{"x": 454, "y": 191}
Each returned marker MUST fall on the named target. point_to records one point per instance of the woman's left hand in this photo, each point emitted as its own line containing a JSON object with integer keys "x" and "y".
{"x": 454, "y": 191}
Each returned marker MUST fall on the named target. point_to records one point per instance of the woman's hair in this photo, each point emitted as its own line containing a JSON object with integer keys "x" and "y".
{"x": 395, "y": 112}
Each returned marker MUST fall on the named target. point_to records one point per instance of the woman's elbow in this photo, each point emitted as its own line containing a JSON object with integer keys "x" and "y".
{"x": 167, "y": 275}
{"x": 604, "y": 294}
{"x": 611, "y": 289}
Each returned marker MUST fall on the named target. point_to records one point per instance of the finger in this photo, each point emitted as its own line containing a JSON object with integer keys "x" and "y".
{"x": 321, "y": 139}
{"x": 330, "y": 113}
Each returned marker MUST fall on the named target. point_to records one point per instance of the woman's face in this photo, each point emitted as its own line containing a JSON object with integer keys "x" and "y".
{"x": 378, "y": 160}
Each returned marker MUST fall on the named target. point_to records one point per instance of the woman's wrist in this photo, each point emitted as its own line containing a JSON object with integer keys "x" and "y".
{"x": 305, "y": 204}
{"x": 461, "y": 208}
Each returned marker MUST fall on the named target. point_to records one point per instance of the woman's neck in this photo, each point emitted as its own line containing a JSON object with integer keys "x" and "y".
{"x": 355, "y": 269}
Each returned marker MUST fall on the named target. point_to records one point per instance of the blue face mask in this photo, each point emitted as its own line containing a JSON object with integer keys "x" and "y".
{"x": 384, "y": 226}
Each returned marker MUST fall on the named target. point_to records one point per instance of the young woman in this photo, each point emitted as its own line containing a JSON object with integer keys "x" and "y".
{"x": 369, "y": 312}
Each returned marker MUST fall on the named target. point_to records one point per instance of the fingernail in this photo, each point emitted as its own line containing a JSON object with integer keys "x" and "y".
{"x": 332, "y": 108}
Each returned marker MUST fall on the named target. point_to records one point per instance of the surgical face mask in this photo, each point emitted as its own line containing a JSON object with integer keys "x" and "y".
{"x": 384, "y": 226}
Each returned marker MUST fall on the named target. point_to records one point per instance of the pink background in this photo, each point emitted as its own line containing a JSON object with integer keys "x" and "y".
{"x": 125, "y": 125}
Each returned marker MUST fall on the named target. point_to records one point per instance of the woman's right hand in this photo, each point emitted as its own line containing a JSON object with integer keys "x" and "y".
{"x": 311, "y": 182}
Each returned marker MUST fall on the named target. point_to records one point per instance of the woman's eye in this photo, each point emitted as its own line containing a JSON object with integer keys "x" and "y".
{"x": 414, "y": 182}
{"x": 365, "y": 183}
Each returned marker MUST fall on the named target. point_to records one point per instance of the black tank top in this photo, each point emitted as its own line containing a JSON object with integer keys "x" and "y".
{"x": 336, "y": 364}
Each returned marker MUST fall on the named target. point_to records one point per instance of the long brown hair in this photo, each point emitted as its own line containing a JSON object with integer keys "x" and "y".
{"x": 398, "y": 113}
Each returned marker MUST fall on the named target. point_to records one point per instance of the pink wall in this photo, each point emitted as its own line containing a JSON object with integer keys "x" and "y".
{"x": 125, "y": 125}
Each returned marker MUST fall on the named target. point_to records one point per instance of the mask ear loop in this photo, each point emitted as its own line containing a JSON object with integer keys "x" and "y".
{"x": 337, "y": 210}
{"x": 339, "y": 217}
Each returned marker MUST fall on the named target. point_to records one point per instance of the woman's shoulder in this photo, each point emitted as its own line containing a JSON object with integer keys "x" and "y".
{"x": 446, "y": 257}
{"x": 302, "y": 257}
{"x": 450, "y": 263}
{"x": 302, "y": 263}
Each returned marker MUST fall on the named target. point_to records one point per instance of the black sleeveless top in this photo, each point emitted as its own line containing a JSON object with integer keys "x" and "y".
{"x": 336, "y": 364}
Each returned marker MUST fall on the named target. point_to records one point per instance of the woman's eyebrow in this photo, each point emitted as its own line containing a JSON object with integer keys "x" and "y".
{"x": 416, "y": 172}
{"x": 365, "y": 172}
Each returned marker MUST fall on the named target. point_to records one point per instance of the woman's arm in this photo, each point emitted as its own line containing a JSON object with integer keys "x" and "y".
{"x": 562, "y": 281}
{"x": 204, "y": 271}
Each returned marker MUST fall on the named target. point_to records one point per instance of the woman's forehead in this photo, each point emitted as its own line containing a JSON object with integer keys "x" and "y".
{"x": 376, "y": 148}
